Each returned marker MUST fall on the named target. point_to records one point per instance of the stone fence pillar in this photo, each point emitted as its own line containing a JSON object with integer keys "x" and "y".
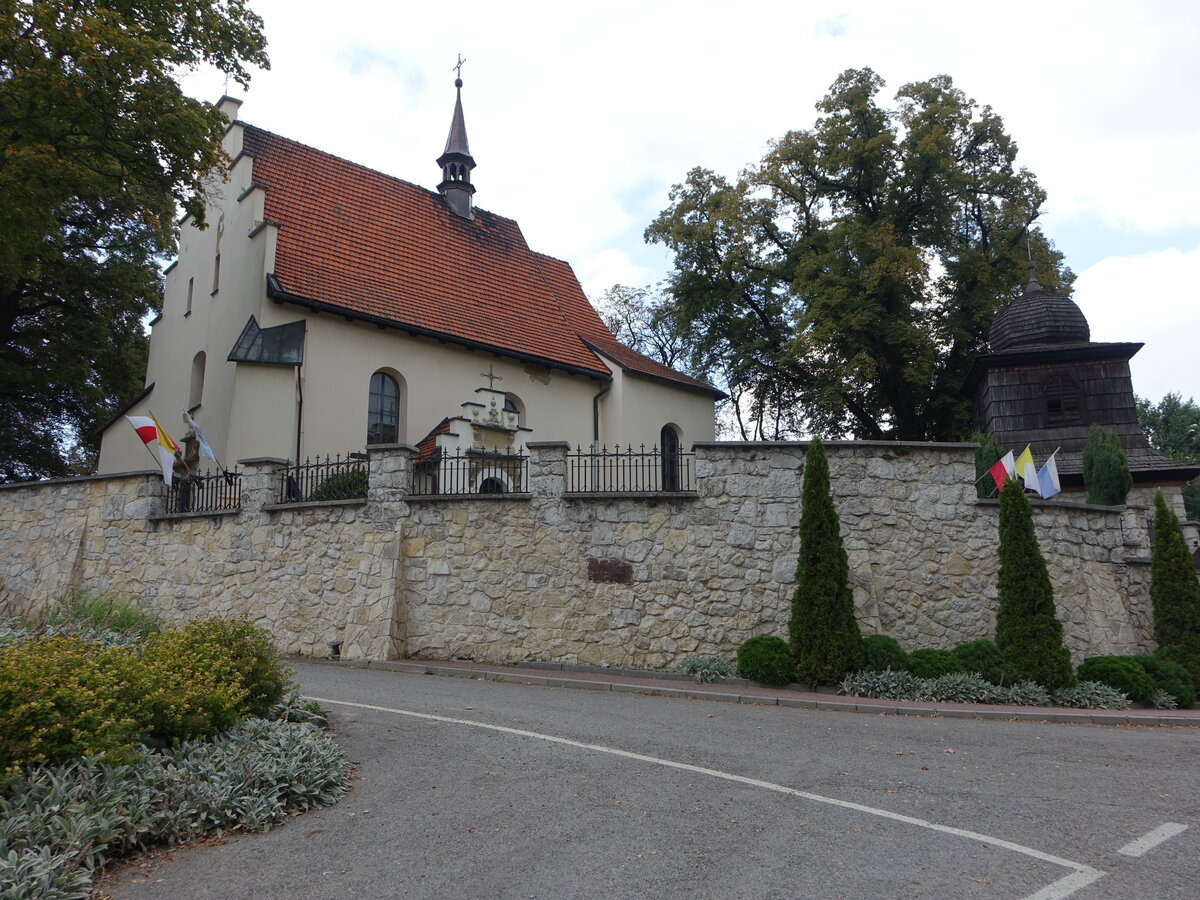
{"x": 391, "y": 479}
{"x": 260, "y": 482}
{"x": 548, "y": 468}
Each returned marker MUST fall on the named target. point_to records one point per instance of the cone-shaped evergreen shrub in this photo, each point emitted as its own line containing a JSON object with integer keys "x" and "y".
{"x": 1105, "y": 468}
{"x": 985, "y": 457}
{"x": 1174, "y": 592}
{"x": 1027, "y": 631}
{"x": 824, "y": 633}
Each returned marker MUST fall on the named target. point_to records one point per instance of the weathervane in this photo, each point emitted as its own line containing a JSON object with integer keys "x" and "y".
{"x": 491, "y": 376}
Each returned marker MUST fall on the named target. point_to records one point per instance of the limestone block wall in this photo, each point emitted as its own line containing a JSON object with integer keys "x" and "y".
{"x": 602, "y": 578}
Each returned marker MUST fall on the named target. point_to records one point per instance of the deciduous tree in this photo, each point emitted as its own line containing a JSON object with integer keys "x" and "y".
{"x": 854, "y": 272}
{"x": 99, "y": 149}
{"x": 1173, "y": 428}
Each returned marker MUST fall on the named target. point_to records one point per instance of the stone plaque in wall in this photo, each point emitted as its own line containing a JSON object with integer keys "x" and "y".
{"x": 609, "y": 571}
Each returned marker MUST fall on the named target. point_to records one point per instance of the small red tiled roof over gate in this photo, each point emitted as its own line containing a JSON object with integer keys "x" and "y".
{"x": 372, "y": 246}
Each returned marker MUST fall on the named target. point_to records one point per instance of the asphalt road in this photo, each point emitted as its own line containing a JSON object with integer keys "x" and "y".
{"x": 469, "y": 788}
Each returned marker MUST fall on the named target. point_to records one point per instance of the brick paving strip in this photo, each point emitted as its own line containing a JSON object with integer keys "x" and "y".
{"x": 739, "y": 690}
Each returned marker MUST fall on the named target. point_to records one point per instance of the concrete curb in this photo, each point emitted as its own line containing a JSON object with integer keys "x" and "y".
{"x": 682, "y": 687}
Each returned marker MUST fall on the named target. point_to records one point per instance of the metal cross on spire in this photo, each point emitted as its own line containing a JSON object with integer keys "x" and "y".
{"x": 491, "y": 376}
{"x": 458, "y": 66}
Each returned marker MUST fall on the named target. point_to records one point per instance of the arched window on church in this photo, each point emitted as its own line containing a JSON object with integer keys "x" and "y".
{"x": 383, "y": 410}
{"x": 513, "y": 403}
{"x": 196, "y": 390}
{"x": 1064, "y": 401}
{"x": 671, "y": 459}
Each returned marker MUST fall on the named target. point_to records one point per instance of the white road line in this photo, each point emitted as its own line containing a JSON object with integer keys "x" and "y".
{"x": 1081, "y": 875}
{"x": 1152, "y": 839}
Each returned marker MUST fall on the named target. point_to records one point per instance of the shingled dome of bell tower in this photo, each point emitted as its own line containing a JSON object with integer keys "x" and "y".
{"x": 1039, "y": 317}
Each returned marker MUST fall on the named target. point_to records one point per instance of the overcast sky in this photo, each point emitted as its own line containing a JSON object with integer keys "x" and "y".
{"x": 582, "y": 117}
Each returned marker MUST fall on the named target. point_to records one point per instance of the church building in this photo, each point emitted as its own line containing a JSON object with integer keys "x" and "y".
{"x": 329, "y": 307}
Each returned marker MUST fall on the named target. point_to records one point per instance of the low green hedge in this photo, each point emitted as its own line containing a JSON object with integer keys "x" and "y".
{"x": 934, "y": 663}
{"x": 1124, "y": 673}
{"x": 767, "y": 659}
{"x": 883, "y": 652}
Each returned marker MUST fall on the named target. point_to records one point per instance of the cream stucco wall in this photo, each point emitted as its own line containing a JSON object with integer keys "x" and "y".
{"x": 210, "y": 323}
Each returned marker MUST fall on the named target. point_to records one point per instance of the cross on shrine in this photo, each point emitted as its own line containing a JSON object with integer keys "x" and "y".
{"x": 458, "y": 66}
{"x": 491, "y": 376}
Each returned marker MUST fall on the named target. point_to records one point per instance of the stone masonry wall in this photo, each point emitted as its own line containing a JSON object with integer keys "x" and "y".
{"x": 616, "y": 579}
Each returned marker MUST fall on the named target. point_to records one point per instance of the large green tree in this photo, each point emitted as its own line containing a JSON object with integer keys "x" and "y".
{"x": 99, "y": 150}
{"x": 1172, "y": 426}
{"x": 854, "y": 272}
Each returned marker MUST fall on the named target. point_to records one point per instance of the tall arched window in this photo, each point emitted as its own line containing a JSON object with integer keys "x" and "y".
{"x": 383, "y": 410}
{"x": 196, "y": 392}
{"x": 671, "y": 458}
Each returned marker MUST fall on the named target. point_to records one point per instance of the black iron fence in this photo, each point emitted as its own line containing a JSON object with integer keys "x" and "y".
{"x": 206, "y": 492}
{"x": 629, "y": 471}
{"x": 471, "y": 472}
{"x": 331, "y": 479}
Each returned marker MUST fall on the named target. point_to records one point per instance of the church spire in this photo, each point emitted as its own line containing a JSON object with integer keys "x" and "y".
{"x": 456, "y": 160}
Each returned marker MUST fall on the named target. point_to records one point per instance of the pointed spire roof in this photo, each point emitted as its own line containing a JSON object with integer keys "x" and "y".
{"x": 456, "y": 160}
{"x": 456, "y": 141}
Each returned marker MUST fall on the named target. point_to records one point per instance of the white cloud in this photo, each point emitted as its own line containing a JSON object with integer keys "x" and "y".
{"x": 1150, "y": 298}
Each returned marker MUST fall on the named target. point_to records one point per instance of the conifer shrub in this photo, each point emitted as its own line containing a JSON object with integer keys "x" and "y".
{"x": 1171, "y": 677}
{"x": 882, "y": 652}
{"x": 1174, "y": 593}
{"x": 1124, "y": 673}
{"x": 766, "y": 659}
{"x": 348, "y": 485}
{"x": 824, "y": 633}
{"x": 984, "y": 658}
{"x": 987, "y": 454}
{"x": 928, "y": 663}
{"x": 1105, "y": 468}
{"x": 1028, "y": 632}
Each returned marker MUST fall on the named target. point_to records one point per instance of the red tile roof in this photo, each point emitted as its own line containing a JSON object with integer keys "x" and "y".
{"x": 371, "y": 245}
{"x": 428, "y": 444}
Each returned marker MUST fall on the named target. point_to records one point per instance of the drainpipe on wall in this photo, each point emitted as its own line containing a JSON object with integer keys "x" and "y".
{"x": 596, "y": 415}
{"x": 595, "y": 476}
{"x": 299, "y": 411}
